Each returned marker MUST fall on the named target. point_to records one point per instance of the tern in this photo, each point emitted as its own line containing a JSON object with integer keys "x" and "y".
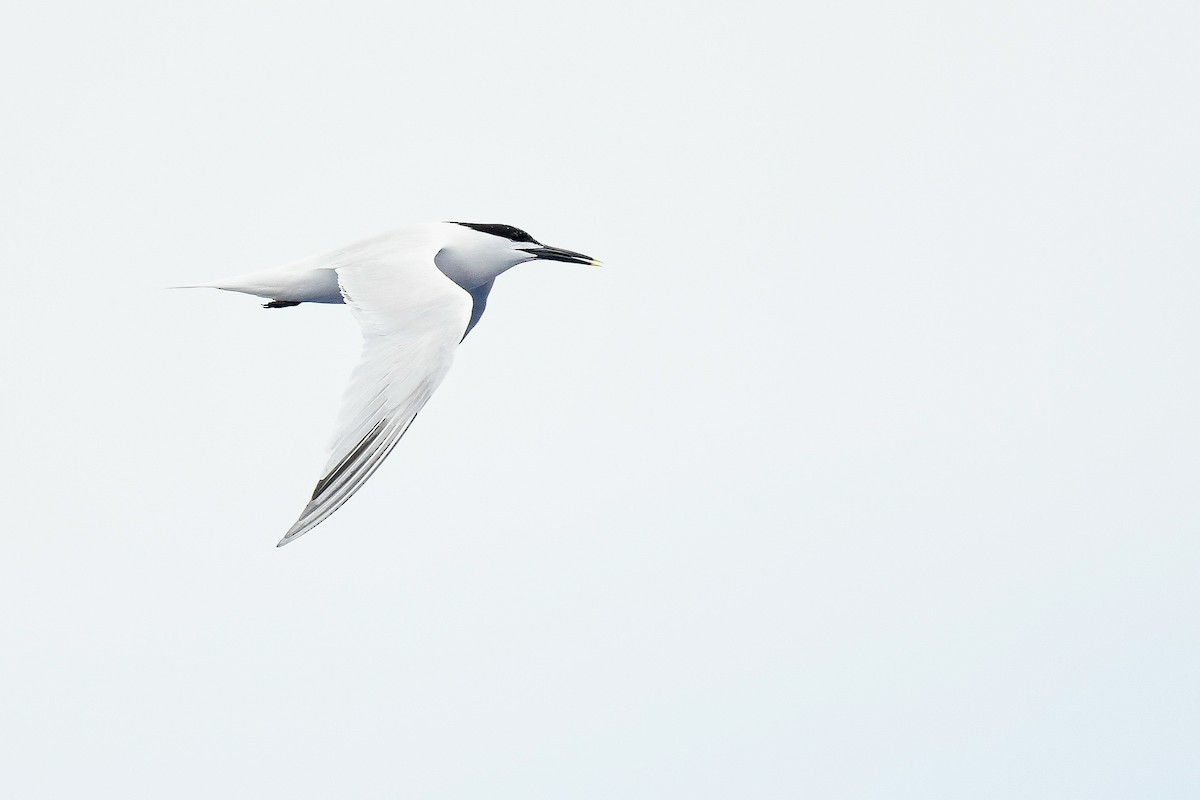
{"x": 417, "y": 291}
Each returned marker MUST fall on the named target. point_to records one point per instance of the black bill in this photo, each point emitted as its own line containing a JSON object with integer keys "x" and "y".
{"x": 558, "y": 254}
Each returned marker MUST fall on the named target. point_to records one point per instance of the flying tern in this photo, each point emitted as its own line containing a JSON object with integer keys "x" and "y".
{"x": 417, "y": 291}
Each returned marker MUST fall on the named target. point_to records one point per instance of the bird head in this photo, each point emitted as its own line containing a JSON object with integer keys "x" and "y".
{"x": 477, "y": 252}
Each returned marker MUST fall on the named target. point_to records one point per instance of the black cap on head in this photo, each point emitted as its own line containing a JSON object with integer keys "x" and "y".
{"x": 501, "y": 230}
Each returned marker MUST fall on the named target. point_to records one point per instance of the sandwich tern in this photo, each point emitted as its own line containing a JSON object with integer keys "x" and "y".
{"x": 417, "y": 292}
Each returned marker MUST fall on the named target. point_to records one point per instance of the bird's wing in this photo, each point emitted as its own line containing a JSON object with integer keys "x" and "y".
{"x": 413, "y": 318}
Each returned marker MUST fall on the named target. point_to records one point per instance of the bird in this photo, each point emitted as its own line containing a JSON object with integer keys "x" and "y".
{"x": 416, "y": 291}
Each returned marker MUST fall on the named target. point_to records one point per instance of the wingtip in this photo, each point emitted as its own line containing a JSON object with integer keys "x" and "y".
{"x": 290, "y": 536}
{"x": 298, "y": 529}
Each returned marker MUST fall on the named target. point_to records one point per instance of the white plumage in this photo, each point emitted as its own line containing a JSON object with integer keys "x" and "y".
{"x": 416, "y": 292}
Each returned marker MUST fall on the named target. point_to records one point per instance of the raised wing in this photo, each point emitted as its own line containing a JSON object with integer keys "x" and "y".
{"x": 413, "y": 318}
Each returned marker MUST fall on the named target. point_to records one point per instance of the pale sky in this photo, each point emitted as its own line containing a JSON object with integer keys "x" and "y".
{"x": 866, "y": 468}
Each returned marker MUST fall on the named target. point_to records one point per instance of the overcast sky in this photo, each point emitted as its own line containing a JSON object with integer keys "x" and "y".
{"x": 866, "y": 467}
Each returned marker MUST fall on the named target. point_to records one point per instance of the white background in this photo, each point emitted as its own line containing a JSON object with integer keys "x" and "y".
{"x": 867, "y": 466}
